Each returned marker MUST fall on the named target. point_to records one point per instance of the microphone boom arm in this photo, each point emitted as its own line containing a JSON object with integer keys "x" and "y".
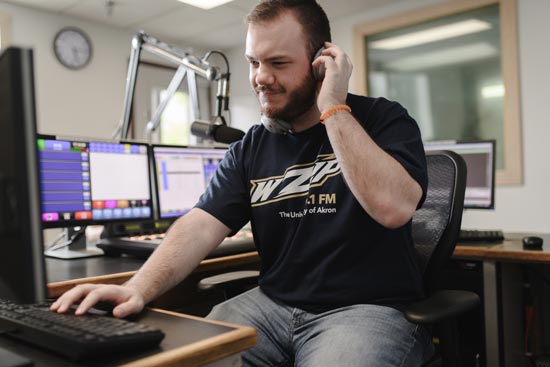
{"x": 187, "y": 64}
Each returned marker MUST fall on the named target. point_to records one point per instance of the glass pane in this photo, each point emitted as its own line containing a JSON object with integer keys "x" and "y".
{"x": 446, "y": 72}
{"x": 174, "y": 121}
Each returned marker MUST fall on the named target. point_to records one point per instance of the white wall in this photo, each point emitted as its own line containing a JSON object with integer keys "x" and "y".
{"x": 527, "y": 207}
{"x": 85, "y": 102}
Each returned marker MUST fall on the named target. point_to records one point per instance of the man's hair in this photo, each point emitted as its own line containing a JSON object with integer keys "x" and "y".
{"x": 309, "y": 14}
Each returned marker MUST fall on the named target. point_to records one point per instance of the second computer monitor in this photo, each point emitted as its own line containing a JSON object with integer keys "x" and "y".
{"x": 182, "y": 175}
{"x": 480, "y": 162}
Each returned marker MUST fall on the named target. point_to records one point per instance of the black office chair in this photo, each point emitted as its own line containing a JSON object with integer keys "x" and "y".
{"x": 435, "y": 232}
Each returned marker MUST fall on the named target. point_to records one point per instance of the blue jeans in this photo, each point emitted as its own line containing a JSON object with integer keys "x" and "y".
{"x": 358, "y": 335}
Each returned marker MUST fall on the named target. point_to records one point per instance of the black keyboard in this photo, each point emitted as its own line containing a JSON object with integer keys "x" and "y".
{"x": 143, "y": 246}
{"x": 475, "y": 235}
{"x": 76, "y": 337}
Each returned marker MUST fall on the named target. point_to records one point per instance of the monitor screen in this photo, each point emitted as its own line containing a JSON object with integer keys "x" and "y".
{"x": 182, "y": 175}
{"x": 22, "y": 274}
{"x": 480, "y": 163}
{"x": 93, "y": 182}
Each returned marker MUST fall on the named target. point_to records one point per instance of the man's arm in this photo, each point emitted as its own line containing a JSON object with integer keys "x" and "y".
{"x": 187, "y": 242}
{"x": 379, "y": 182}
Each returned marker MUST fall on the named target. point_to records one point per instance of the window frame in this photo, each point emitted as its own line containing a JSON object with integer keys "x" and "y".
{"x": 5, "y": 30}
{"x": 512, "y": 173}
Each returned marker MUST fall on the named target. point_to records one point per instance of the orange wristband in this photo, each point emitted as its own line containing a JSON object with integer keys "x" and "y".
{"x": 331, "y": 111}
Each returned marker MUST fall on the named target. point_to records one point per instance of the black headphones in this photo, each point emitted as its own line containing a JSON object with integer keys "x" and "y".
{"x": 319, "y": 71}
{"x": 277, "y": 126}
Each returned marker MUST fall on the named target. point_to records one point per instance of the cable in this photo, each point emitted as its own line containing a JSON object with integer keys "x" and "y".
{"x": 529, "y": 314}
{"x": 209, "y": 53}
{"x": 56, "y": 240}
{"x": 222, "y": 97}
{"x": 75, "y": 237}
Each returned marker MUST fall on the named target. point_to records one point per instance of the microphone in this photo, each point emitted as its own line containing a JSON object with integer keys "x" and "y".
{"x": 217, "y": 132}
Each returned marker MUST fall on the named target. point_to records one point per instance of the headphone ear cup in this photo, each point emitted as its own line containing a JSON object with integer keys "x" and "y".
{"x": 319, "y": 71}
{"x": 276, "y": 126}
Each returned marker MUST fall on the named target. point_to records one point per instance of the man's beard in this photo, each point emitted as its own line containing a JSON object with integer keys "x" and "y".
{"x": 299, "y": 101}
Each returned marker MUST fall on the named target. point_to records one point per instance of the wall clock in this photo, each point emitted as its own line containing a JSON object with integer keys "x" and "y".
{"x": 72, "y": 47}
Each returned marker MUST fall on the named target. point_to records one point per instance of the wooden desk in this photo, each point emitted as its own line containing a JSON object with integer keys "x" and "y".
{"x": 190, "y": 340}
{"x": 65, "y": 274}
{"x": 503, "y": 294}
{"x": 509, "y": 250}
{"x": 501, "y": 266}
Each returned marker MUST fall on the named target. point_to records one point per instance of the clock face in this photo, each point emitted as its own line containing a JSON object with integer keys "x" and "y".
{"x": 72, "y": 48}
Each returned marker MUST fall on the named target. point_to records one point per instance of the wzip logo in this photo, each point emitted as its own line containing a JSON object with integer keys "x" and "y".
{"x": 295, "y": 182}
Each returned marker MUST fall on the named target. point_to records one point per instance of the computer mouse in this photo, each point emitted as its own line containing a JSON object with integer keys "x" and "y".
{"x": 532, "y": 242}
{"x": 103, "y": 308}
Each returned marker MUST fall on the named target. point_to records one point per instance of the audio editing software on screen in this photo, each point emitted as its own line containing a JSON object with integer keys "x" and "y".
{"x": 182, "y": 176}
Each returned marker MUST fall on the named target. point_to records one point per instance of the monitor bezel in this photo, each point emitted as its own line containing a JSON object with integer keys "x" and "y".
{"x": 23, "y": 272}
{"x": 87, "y": 222}
{"x": 439, "y": 143}
{"x": 155, "y": 176}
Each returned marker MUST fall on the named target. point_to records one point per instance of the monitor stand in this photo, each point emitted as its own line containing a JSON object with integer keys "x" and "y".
{"x": 74, "y": 246}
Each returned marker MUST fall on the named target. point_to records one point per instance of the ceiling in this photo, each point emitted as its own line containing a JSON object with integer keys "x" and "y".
{"x": 170, "y": 20}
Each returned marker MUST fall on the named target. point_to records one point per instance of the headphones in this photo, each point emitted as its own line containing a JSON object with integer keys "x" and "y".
{"x": 319, "y": 71}
{"x": 278, "y": 126}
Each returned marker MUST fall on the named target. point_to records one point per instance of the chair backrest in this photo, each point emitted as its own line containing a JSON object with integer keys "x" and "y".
{"x": 436, "y": 225}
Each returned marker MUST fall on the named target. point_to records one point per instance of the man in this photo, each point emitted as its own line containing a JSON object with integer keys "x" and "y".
{"x": 330, "y": 206}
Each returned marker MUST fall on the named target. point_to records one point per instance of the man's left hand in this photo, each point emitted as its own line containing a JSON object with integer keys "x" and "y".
{"x": 333, "y": 88}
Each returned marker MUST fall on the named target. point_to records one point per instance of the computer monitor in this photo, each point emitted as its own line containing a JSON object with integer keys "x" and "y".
{"x": 22, "y": 274}
{"x": 480, "y": 163}
{"x": 93, "y": 182}
{"x": 84, "y": 182}
{"x": 182, "y": 174}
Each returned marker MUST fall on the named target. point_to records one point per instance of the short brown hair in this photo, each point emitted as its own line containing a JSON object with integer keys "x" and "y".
{"x": 309, "y": 14}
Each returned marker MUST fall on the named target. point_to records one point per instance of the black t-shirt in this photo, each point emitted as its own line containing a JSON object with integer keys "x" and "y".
{"x": 319, "y": 248}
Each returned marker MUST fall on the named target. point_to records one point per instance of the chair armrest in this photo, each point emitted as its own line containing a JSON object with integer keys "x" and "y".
{"x": 229, "y": 280}
{"x": 441, "y": 305}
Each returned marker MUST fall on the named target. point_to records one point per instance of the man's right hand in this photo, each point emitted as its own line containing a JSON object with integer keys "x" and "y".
{"x": 127, "y": 300}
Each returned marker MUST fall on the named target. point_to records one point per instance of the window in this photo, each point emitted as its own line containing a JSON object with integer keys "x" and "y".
{"x": 454, "y": 67}
{"x": 174, "y": 121}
